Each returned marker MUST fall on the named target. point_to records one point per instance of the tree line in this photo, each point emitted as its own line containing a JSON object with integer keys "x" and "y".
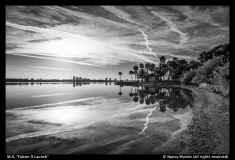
{"x": 211, "y": 67}
{"x": 168, "y": 71}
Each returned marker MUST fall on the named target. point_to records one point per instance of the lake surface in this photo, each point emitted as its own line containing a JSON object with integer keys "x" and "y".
{"x": 95, "y": 118}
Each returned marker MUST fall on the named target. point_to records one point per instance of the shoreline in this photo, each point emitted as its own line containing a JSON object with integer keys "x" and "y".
{"x": 208, "y": 131}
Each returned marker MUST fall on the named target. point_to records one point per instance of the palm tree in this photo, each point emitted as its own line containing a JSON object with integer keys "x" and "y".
{"x": 147, "y": 66}
{"x": 152, "y": 65}
{"x": 162, "y": 59}
{"x": 120, "y": 92}
{"x": 152, "y": 100}
{"x": 131, "y": 72}
{"x": 120, "y": 74}
{"x": 162, "y": 106}
{"x": 147, "y": 100}
{"x": 136, "y": 93}
{"x": 131, "y": 94}
{"x": 175, "y": 59}
{"x": 135, "y": 68}
{"x": 141, "y": 72}
{"x": 135, "y": 72}
{"x": 135, "y": 99}
{"x": 142, "y": 96}
{"x": 141, "y": 65}
{"x": 151, "y": 68}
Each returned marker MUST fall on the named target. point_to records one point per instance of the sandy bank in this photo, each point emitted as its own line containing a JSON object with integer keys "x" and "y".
{"x": 208, "y": 131}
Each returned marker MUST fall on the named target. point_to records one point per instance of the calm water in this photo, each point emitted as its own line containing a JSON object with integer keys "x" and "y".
{"x": 98, "y": 117}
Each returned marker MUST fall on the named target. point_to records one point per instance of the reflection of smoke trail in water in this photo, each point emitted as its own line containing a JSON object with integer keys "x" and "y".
{"x": 147, "y": 43}
{"x": 147, "y": 120}
{"x": 57, "y": 94}
{"x": 51, "y": 104}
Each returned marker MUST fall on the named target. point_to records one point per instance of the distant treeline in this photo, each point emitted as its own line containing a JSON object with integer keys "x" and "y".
{"x": 54, "y": 80}
{"x": 54, "y": 83}
{"x": 45, "y": 83}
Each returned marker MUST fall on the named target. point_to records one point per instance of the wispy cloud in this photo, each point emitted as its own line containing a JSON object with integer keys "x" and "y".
{"x": 51, "y": 68}
{"x": 107, "y": 35}
{"x": 42, "y": 40}
{"x": 22, "y": 69}
{"x": 28, "y": 55}
{"x": 173, "y": 28}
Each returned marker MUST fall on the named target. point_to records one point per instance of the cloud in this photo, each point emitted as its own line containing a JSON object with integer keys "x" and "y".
{"x": 43, "y": 40}
{"x": 121, "y": 14}
{"x": 22, "y": 69}
{"x": 50, "y": 68}
{"x": 110, "y": 35}
{"x": 27, "y": 55}
{"x": 43, "y": 122}
{"x": 66, "y": 47}
{"x": 173, "y": 28}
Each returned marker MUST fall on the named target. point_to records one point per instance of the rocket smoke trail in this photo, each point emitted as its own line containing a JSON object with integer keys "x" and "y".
{"x": 147, "y": 119}
{"x": 147, "y": 43}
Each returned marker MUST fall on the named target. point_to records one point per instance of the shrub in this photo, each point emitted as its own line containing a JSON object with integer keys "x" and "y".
{"x": 188, "y": 76}
{"x": 204, "y": 72}
{"x": 222, "y": 80}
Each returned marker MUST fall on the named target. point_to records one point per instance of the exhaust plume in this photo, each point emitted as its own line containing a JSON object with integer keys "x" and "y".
{"x": 147, "y": 43}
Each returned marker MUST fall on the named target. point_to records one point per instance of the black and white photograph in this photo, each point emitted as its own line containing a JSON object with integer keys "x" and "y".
{"x": 117, "y": 80}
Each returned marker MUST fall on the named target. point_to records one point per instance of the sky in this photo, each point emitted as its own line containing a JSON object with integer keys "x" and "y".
{"x": 97, "y": 42}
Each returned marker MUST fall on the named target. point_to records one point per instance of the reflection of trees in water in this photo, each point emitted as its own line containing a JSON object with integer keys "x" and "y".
{"x": 43, "y": 83}
{"x": 120, "y": 92}
{"x": 171, "y": 97}
{"x": 80, "y": 83}
{"x": 14, "y": 84}
{"x": 131, "y": 94}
